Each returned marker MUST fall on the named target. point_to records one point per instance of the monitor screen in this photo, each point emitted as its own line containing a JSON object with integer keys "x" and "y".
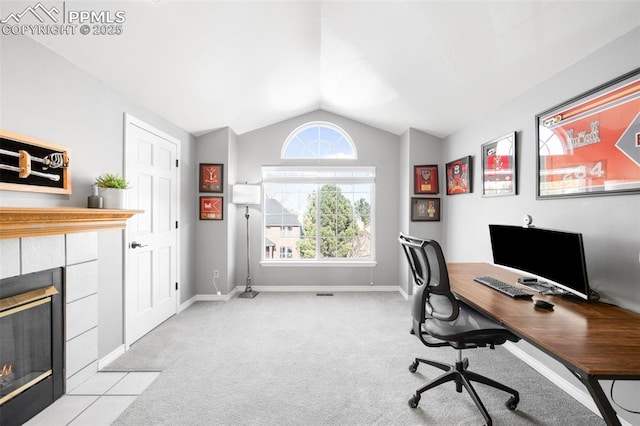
{"x": 556, "y": 256}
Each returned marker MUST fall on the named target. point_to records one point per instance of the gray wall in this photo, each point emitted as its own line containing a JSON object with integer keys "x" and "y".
{"x": 610, "y": 224}
{"x": 212, "y": 235}
{"x": 417, "y": 148}
{"x": 376, "y": 148}
{"x": 46, "y": 97}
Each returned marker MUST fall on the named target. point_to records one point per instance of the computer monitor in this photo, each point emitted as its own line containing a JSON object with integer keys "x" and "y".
{"x": 556, "y": 256}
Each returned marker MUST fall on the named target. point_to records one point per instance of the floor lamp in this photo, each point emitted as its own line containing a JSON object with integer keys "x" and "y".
{"x": 245, "y": 194}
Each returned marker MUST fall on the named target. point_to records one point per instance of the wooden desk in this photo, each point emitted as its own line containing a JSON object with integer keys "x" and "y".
{"x": 593, "y": 340}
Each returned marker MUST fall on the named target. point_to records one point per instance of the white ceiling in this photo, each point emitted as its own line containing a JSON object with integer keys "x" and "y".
{"x": 431, "y": 65}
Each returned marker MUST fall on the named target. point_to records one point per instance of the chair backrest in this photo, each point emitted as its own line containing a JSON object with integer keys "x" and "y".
{"x": 433, "y": 298}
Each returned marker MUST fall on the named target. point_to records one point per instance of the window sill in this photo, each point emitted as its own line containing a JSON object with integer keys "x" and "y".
{"x": 319, "y": 263}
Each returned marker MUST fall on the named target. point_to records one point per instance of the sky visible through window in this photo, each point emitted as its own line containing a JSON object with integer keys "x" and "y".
{"x": 319, "y": 140}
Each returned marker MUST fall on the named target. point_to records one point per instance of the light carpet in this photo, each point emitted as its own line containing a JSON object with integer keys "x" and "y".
{"x": 302, "y": 359}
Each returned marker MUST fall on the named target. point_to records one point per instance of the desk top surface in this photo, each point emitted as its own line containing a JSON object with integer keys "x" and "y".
{"x": 597, "y": 338}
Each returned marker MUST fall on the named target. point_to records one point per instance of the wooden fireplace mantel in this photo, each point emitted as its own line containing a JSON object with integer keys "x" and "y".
{"x": 18, "y": 222}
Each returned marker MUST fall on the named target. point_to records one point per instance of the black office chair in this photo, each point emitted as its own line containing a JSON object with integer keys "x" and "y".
{"x": 440, "y": 319}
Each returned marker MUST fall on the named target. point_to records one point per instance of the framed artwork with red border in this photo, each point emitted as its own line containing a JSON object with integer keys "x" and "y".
{"x": 211, "y": 208}
{"x": 590, "y": 144}
{"x": 499, "y": 166}
{"x": 459, "y": 176}
{"x": 425, "y": 179}
{"x": 425, "y": 209}
{"x": 211, "y": 177}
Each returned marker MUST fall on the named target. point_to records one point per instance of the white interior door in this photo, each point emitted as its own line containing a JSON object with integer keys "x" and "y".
{"x": 152, "y": 254}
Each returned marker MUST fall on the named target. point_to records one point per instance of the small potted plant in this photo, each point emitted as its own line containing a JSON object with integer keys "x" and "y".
{"x": 112, "y": 188}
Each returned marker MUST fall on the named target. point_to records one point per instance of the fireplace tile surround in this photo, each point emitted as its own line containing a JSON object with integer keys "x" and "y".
{"x": 34, "y": 239}
{"x": 78, "y": 254}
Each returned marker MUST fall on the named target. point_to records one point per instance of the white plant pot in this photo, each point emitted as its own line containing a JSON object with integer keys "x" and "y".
{"x": 113, "y": 198}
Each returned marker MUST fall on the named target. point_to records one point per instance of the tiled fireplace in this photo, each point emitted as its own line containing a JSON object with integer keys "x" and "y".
{"x": 76, "y": 257}
{"x": 56, "y": 251}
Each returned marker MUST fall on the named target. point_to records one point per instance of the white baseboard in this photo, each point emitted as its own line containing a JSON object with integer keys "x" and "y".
{"x": 292, "y": 289}
{"x": 579, "y": 394}
{"x": 322, "y": 288}
{"x": 186, "y": 304}
{"x": 216, "y": 297}
{"x": 403, "y": 293}
{"x": 102, "y": 363}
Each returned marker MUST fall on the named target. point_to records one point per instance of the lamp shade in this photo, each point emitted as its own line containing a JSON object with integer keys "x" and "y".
{"x": 246, "y": 194}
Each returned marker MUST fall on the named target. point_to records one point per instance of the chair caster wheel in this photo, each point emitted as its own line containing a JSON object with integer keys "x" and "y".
{"x": 413, "y": 367}
{"x": 512, "y": 403}
{"x": 413, "y": 401}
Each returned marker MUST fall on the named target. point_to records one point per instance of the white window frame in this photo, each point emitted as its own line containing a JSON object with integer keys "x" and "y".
{"x": 314, "y": 124}
{"x": 276, "y": 174}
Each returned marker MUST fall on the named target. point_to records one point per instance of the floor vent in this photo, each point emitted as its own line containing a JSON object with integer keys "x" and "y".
{"x": 324, "y": 294}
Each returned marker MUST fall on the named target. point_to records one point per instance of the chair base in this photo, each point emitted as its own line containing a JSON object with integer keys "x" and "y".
{"x": 463, "y": 377}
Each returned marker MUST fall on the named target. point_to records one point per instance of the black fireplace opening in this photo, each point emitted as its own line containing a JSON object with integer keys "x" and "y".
{"x": 31, "y": 344}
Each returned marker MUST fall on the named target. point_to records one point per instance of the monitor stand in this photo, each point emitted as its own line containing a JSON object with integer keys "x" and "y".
{"x": 542, "y": 287}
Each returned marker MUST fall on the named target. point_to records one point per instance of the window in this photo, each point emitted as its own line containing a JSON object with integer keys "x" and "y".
{"x": 317, "y": 140}
{"x": 286, "y": 252}
{"x": 319, "y": 214}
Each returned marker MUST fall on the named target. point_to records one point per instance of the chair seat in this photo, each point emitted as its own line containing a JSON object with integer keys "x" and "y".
{"x": 470, "y": 329}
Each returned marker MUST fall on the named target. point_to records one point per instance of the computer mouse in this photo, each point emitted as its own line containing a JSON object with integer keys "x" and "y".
{"x": 543, "y": 304}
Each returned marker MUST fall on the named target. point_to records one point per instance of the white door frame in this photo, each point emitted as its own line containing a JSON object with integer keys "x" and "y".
{"x": 131, "y": 120}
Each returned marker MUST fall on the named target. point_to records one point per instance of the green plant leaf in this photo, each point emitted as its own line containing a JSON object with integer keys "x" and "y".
{"x": 111, "y": 180}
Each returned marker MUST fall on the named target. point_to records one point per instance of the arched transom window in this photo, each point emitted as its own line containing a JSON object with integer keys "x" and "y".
{"x": 319, "y": 140}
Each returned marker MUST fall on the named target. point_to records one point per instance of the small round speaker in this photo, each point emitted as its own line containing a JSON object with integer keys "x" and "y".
{"x": 527, "y": 220}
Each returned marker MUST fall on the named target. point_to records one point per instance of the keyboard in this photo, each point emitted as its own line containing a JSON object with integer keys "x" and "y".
{"x": 502, "y": 287}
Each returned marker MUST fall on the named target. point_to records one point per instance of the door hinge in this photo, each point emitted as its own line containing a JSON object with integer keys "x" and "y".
{"x": 176, "y": 224}
{"x": 176, "y": 286}
{"x": 177, "y": 162}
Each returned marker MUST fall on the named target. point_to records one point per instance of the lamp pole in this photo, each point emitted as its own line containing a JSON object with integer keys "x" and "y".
{"x": 248, "y": 292}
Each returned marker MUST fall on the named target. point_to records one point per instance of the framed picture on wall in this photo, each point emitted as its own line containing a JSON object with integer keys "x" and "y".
{"x": 459, "y": 176}
{"x": 425, "y": 209}
{"x": 211, "y": 208}
{"x": 32, "y": 165}
{"x": 425, "y": 179}
{"x": 499, "y": 166}
{"x": 211, "y": 177}
{"x": 590, "y": 144}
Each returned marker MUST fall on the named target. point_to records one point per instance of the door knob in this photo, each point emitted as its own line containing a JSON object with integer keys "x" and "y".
{"x": 136, "y": 244}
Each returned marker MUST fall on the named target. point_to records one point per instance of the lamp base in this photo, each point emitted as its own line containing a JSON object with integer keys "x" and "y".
{"x": 248, "y": 294}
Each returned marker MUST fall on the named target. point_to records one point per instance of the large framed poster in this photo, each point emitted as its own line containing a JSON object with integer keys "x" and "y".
{"x": 590, "y": 145}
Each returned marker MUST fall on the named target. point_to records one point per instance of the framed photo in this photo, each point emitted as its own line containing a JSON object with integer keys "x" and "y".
{"x": 211, "y": 177}
{"x": 459, "y": 176}
{"x": 32, "y": 165}
{"x": 425, "y": 209}
{"x": 499, "y": 166}
{"x": 425, "y": 179}
{"x": 211, "y": 208}
{"x": 590, "y": 145}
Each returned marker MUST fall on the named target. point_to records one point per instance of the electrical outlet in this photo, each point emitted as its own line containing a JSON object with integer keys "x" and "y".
{"x": 216, "y": 273}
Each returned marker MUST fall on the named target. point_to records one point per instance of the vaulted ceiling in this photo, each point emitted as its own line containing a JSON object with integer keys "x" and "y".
{"x": 431, "y": 65}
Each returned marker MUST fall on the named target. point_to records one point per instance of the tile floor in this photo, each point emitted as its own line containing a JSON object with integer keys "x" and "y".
{"x": 98, "y": 401}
